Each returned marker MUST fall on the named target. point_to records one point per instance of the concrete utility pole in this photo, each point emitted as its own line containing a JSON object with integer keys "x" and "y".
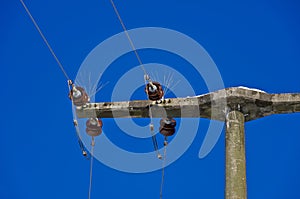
{"x": 235, "y": 106}
{"x": 236, "y": 187}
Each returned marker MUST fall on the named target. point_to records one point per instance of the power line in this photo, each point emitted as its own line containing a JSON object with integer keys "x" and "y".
{"x": 128, "y": 37}
{"x": 146, "y": 76}
{"x": 91, "y": 167}
{"x": 45, "y": 40}
{"x": 163, "y": 170}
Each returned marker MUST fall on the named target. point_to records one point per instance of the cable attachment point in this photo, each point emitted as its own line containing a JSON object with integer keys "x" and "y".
{"x": 154, "y": 141}
{"x": 75, "y": 122}
{"x": 159, "y": 156}
{"x": 147, "y": 77}
{"x": 70, "y": 82}
{"x": 165, "y": 142}
{"x": 84, "y": 153}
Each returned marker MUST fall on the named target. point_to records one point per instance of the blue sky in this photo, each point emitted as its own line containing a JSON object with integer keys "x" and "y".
{"x": 253, "y": 43}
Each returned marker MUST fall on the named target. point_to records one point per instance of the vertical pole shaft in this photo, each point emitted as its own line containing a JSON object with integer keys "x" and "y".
{"x": 236, "y": 187}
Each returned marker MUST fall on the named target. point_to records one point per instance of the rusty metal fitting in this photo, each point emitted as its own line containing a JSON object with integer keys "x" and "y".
{"x": 70, "y": 82}
{"x": 94, "y": 126}
{"x": 159, "y": 156}
{"x": 84, "y": 153}
{"x": 75, "y": 122}
{"x": 146, "y": 77}
{"x": 165, "y": 143}
{"x": 167, "y": 126}
{"x": 154, "y": 91}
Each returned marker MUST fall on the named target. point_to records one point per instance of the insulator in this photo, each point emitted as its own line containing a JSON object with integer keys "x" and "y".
{"x": 167, "y": 126}
{"x": 79, "y": 96}
{"x": 154, "y": 91}
{"x": 94, "y": 126}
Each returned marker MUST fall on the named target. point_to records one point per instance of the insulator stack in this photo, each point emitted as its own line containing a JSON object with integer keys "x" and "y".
{"x": 154, "y": 91}
{"x": 167, "y": 126}
{"x": 79, "y": 96}
{"x": 94, "y": 126}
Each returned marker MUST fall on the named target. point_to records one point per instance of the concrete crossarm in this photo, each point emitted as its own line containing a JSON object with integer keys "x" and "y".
{"x": 252, "y": 103}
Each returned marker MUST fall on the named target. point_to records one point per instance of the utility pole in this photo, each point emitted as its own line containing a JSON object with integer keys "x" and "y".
{"x": 235, "y": 106}
{"x": 236, "y": 187}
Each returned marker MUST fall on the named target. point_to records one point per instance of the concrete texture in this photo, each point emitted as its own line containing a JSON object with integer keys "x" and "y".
{"x": 252, "y": 103}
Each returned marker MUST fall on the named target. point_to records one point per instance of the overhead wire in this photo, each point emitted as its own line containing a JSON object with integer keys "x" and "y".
{"x": 128, "y": 36}
{"x": 45, "y": 40}
{"x": 82, "y": 148}
{"x": 146, "y": 76}
{"x": 70, "y": 84}
{"x": 91, "y": 166}
{"x": 163, "y": 169}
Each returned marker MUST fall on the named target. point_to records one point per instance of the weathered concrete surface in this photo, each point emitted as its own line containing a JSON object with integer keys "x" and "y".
{"x": 236, "y": 187}
{"x": 251, "y": 102}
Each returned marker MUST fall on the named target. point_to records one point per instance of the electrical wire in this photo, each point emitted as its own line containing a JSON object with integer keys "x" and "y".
{"x": 163, "y": 169}
{"x": 128, "y": 36}
{"x": 146, "y": 76}
{"x": 45, "y": 40}
{"x": 91, "y": 167}
{"x": 70, "y": 83}
{"x": 82, "y": 148}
